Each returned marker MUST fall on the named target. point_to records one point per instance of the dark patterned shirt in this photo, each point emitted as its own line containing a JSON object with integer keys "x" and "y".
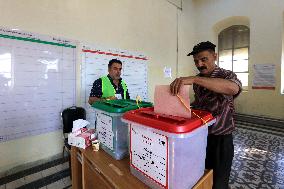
{"x": 220, "y": 105}
{"x": 96, "y": 90}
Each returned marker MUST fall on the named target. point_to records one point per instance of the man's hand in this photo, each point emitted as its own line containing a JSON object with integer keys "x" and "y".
{"x": 111, "y": 98}
{"x": 94, "y": 99}
{"x": 179, "y": 82}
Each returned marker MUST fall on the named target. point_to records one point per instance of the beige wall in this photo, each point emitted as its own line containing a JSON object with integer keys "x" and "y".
{"x": 147, "y": 26}
{"x": 187, "y": 38}
{"x": 265, "y": 20}
{"x": 15, "y": 153}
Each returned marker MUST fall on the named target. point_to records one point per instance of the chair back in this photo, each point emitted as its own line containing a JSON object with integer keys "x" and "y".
{"x": 71, "y": 114}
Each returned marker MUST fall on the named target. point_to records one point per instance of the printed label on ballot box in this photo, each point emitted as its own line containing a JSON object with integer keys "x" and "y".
{"x": 149, "y": 153}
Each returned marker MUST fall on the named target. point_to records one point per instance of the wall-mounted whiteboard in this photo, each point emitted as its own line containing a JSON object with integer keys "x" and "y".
{"x": 37, "y": 81}
{"x": 95, "y": 65}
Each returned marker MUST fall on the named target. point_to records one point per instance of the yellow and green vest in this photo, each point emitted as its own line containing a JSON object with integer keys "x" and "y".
{"x": 108, "y": 89}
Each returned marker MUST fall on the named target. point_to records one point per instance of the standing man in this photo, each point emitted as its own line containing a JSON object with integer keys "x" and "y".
{"x": 110, "y": 87}
{"x": 215, "y": 90}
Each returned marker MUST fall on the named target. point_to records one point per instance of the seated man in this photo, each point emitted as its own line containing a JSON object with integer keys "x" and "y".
{"x": 110, "y": 87}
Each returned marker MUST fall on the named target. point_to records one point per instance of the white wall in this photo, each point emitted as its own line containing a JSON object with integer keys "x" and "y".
{"x": 265, "y": 19}
{"x": 147, "y": 26}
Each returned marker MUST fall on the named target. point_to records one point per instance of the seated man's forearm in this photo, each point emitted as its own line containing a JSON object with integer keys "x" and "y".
{"x": 94, "y": 99}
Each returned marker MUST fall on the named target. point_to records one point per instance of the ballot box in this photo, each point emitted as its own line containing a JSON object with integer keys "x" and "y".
{"x": 167, "y": 151}
{"x": 112, "y": 132}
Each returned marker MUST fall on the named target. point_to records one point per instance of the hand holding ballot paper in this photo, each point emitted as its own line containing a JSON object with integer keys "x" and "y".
{"x": 166, "y": 103}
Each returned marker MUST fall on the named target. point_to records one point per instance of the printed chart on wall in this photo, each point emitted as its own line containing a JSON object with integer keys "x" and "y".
{"x": 37, "y": 79}
{"x": 95, "y": 65}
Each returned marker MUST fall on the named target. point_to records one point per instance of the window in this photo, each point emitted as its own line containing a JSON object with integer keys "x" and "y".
{"x": 233, "y": 48}
{"x": 5, "y": 70}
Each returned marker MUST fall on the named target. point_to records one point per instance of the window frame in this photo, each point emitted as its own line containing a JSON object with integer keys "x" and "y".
{"x": 233, "y": 29}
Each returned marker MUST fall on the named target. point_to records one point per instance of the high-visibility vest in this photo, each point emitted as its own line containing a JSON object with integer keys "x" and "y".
{"x": 108, "y": 89}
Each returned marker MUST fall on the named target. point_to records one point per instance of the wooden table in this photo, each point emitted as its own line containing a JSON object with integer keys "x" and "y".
{"x": 100, "y": 171}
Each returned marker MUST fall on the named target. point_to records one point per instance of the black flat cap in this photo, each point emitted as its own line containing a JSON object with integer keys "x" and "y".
{"x": 202, "y": 47}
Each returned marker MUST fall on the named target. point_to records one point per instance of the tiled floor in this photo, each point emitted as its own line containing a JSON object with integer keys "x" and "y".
{"x": 55, "y": 177}
{"x": 258, "y": 160}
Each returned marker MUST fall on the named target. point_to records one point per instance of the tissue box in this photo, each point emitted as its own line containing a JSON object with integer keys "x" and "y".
{"x": 79, "y": 131}
{"x": 82, "y": 140}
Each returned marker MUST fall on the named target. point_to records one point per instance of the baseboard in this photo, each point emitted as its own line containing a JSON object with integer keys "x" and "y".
{"x": 261, "y": 120}
{"x": 32, "y": 165}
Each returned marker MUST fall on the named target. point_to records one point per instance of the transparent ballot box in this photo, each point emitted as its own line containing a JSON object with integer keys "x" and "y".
{"x": 167, "y": 151}
{"x": 112, "y": 132}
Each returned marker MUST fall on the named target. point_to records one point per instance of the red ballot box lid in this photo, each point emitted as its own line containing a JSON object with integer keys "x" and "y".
{"x": 168, "y": 123}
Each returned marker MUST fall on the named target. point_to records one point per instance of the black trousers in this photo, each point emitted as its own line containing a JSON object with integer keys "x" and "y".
{"x": 219, "y": 157}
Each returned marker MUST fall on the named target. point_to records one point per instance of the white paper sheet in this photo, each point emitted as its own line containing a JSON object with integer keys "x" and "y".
{"x": 264, "y": 76}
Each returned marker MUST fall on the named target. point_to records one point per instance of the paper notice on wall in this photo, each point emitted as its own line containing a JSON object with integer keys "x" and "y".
{"x": 167, "y": 72}
{"x": 264, "y": 76}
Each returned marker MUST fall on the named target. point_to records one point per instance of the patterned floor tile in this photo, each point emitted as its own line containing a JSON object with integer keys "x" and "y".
{"x": 258, "y": 161}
